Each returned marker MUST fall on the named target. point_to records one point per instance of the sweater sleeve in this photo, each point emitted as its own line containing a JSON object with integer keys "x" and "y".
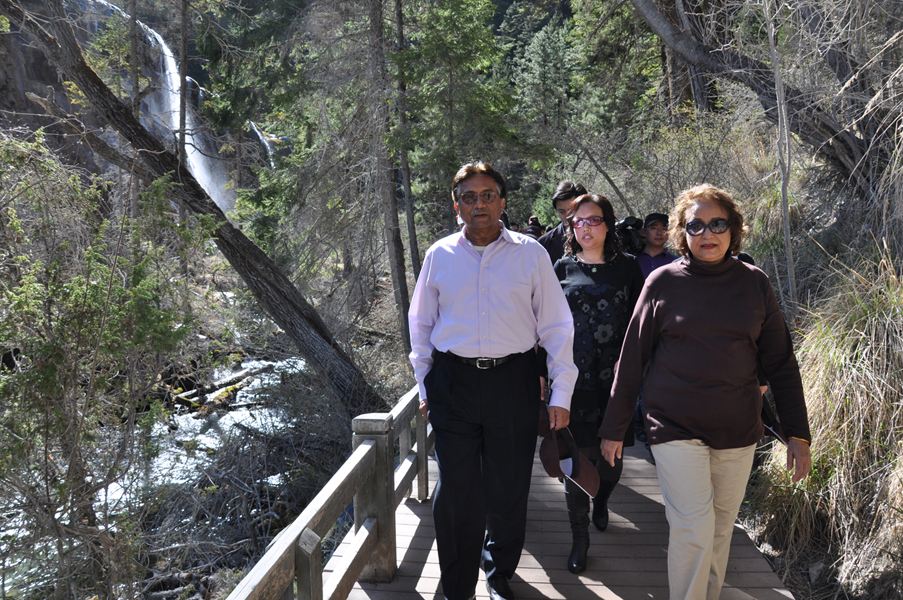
{"x": 640, "y": 339}
{"x": 779, "y": 365}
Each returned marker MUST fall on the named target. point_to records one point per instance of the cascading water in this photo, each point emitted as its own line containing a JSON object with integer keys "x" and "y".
{"x": 265, "y": 142}
{"x": 201, "y": 156}
{"x": 160, "y": 111}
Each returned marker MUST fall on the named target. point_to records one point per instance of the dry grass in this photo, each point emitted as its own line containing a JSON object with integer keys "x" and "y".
{"x": 850, "y": 506}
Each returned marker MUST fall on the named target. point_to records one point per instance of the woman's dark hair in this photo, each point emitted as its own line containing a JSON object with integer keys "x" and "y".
{"x": 612, "y": 246}
{"x": 705, "y": 192}
{"x": 567, "y": 190}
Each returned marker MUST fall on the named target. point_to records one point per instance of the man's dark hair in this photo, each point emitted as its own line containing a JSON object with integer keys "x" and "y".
{"x": 474, "y": 168}
{"x": 567, "y": 190}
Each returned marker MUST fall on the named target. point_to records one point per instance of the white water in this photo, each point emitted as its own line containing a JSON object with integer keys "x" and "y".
{"x": 210, "y": 171}
{"x": 162, "y": 106}
{"x": 264, "y": 141}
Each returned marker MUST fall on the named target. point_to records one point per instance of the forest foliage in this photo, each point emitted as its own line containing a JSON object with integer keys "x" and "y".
{"x": 342, "y": 124}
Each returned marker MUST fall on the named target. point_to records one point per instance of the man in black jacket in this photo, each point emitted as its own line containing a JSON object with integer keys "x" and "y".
{"x": 553, "y": 240}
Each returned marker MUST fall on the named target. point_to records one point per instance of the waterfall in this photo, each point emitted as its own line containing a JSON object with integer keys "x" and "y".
{"x": 200, "y": 154}
{"x": 160, "y": 112}
{"x": 265, "y": 142}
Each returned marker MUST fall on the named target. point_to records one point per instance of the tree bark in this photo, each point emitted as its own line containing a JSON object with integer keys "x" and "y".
{"x": 783, "y": 151}
{"x": 134, "y": 73}
{"x": 183, "y": 119}
{"x": 403, "y": 151}
{"x": 385, "y": 174}
{"x": 273, "y": 290}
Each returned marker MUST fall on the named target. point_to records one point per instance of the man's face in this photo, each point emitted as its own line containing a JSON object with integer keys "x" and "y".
{"x": 482, "y": 215}
{"x": 656, "y": 234}
{"x": 561, "y": 207}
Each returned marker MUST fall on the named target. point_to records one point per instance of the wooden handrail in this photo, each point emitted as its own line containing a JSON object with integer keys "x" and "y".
{"x": 370, "y": 479}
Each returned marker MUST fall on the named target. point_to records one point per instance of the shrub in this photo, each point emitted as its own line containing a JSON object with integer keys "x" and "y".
{"x": 852, "y": 364}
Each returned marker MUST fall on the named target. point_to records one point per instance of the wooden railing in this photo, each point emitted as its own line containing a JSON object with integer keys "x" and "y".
{"x": 369, "y": 478}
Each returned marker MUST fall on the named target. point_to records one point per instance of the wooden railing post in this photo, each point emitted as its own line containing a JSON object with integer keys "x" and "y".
{"x": 377, "y": 497}
{"x": 309, "y": 566}
{"x": 404, "y": 445}
{"x": 423, "y": 473}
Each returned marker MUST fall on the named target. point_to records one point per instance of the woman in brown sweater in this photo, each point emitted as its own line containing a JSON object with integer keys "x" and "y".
{"x": 699, "y": 329}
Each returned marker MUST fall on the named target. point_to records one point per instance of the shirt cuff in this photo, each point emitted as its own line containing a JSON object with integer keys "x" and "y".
{"x": 560, "y": 399}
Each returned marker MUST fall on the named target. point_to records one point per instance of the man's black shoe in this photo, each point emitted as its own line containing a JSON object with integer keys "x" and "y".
{"x": 498, "y": 588}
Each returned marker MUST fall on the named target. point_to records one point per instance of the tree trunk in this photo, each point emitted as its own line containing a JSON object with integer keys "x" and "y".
{"x": 272, "y": 289}
{"x": 183, "y": 108}
{"x": 386, "y": 187}
{"x": 135, "y": 69}
{"x": 403, "y": 151}
{"x": 783, "y": 150}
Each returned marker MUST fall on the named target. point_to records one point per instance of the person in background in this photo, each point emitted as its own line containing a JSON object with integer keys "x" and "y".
{"x": 699, "y": 328}
{"x": 654, "y": 255}
{"x": 553, "y": 240}
{"x": 533, "y": 231}
{"x": 601, "y": 285}
{"x": 484, "y": 298}
{"x": 533, "y": 221}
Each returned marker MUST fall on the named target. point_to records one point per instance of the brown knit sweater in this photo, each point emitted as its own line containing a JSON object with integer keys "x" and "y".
{"x": 698, "y": 331}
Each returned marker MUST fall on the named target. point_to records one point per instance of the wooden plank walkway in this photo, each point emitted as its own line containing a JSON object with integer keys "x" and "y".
{"x": 626, "y": 562}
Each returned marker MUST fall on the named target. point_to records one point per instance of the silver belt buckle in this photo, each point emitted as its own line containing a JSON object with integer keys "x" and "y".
{"x": 485, "y": 363}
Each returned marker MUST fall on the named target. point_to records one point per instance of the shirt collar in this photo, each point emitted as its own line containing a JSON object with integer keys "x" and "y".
{"x": 505, "y": 235}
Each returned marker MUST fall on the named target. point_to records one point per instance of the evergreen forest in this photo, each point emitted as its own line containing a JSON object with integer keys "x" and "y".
{"x": 219, "y": 208}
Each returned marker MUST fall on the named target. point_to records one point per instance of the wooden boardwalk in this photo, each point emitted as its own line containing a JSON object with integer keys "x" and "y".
{"x": 627, "y": 561}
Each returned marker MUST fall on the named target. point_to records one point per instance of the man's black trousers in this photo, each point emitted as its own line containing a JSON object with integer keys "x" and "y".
{"x": 485, "y": 422}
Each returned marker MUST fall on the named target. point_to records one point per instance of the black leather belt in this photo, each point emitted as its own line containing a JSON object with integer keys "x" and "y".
{"x": 480, "y": 363}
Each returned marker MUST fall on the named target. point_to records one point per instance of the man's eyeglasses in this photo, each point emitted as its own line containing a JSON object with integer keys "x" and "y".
{"x": 593, "y": 221}
{"x": 716, "y": 225}
{"x": 471, "y": 197}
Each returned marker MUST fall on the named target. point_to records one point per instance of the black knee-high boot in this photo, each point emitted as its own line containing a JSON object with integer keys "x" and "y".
{"x": 600, "y": 504}
{"x": 608, "y": 479}
{"x": 578, "y": 514}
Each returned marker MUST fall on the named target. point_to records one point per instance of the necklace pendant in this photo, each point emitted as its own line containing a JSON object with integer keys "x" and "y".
{"x": 594, "y": 269}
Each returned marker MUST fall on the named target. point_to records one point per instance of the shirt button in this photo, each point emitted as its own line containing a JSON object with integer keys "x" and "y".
{"x": 484, "y": 337}
{"x": 483, "y": 313}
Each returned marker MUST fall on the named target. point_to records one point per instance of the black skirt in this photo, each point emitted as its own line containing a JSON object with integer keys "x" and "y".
{"x": 587, "y": 410}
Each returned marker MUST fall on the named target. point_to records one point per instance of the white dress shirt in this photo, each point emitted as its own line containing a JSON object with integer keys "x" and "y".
{"x": 491, "y": 305}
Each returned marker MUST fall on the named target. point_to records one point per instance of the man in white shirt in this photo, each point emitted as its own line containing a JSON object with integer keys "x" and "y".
{"x": 484, "y": 298}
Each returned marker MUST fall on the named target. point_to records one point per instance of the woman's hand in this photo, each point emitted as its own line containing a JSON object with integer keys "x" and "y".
{"x": 799, "y": 459}
{"x": 558, "y": 417}
{"x": 425, "y": 409}
{"x": 611, "y": 450}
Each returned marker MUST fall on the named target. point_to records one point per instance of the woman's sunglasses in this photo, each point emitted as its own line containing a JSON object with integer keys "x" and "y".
{"x": 717, "y": 225}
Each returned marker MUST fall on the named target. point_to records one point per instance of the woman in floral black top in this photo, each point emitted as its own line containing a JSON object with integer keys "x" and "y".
{"x": 601, "y": 285}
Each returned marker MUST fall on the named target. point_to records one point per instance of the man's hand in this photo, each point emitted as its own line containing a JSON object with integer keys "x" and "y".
{"x": 799, "y": 459}
{"x": 425, "y": 409}
{"x": 542, "y": 388}
{"x": 558, "y": 417}
{"x": 611, "y": 450}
